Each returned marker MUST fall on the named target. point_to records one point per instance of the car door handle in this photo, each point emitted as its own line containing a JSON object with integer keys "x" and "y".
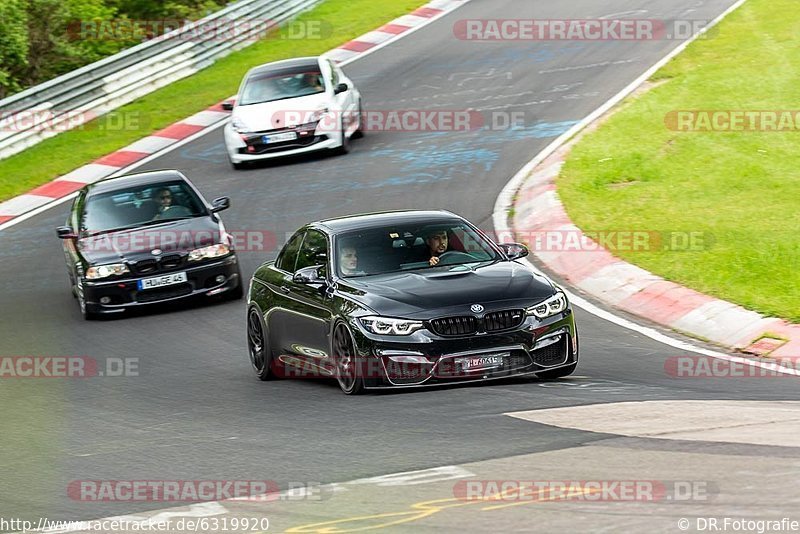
{"x": 286, "y": 289}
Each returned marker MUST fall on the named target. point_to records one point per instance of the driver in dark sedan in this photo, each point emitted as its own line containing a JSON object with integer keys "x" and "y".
{"x": 437, "y": 245}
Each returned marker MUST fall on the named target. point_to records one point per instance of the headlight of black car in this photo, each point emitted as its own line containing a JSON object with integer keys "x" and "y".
{"x": 212, "y": 251}
{"x": 553, "y": 305}
{"x": 386, "y": 326}
{"x": 104, "y": 271}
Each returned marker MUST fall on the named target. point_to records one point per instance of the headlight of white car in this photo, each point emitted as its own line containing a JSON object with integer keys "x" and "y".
{"x": 553, "y": 305}
{"x": 213, "y": 251}
{"x": 386, "y": 326}
{"x": 238, "y": 126}
{"x": 104, "y": 271}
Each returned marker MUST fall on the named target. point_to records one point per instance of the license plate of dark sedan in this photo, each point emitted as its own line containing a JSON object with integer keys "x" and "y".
{"x": 279, "y": 138}
{"x": 161, "y": 281}
{"x": 474, "y": 363}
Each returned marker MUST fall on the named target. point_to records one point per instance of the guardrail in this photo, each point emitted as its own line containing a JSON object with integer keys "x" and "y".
{"x": 70, "y": 100}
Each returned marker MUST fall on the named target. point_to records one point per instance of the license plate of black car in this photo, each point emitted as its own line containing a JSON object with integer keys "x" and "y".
{"x": 475, "y": 363}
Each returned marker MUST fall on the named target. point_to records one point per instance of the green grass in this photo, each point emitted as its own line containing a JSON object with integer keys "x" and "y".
{"x": 740, "y": 189}
{"x": 345, "y": 20}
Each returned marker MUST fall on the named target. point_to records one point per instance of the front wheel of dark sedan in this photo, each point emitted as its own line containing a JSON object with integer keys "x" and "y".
{"x": 81, "y": 296}
{"x": 345, "y": 359}
{"x": 258, "y": 345}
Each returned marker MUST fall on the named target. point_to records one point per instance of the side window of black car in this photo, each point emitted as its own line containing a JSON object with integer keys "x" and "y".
{"x": 288, "y": 257}
{"x": 314, "y": 250}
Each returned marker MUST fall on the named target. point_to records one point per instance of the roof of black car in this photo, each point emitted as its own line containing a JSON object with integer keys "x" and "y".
{"x": 373, "y": 220}
{"x": 296, "y": 63}
{"x": 132, "y": 180}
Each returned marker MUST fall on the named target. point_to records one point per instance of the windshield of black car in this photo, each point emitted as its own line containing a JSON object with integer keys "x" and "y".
{"x": 279, "y": 85}
{"x": 140, "y": 206}
{"x": 405, "y": 248}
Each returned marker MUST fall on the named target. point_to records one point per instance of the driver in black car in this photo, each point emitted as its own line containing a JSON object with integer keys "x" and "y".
{"x": 437, "y": 245}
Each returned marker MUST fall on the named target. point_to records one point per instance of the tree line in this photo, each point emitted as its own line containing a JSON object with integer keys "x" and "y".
{"x": 42, "y": 39}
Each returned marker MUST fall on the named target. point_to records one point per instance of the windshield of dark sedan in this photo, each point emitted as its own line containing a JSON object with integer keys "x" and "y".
{"x": 405, "y": 248}
{"x": 139, "y": 206}
{"x": 278, "y": 85}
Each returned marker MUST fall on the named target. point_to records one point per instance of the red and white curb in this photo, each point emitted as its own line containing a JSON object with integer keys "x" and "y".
{"x": 163, "y": 140}
{"x": 537, "y": 208}
{"x": 597, "y": 272}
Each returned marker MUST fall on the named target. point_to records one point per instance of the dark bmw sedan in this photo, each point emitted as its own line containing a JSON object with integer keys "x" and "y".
{"x": 146, "y": 238}
{"x": 405, "y": 299}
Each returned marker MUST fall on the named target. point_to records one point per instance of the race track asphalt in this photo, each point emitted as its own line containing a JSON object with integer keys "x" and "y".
{"x": 196, "y": 411}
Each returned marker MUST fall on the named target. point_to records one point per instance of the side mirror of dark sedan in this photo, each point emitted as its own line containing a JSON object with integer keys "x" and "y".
{"x": 341, "y": 88}
{"x": 65, "y": 232}
{"x": 227, "y": 106}
{"x": 514, "y": 251}
{"x": 308, "y": 275}
{"x": 219, "y": 204}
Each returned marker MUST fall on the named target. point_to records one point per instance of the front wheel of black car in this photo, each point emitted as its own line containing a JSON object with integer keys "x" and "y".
{"x": 345, "y": 360}
{"x": 258, "y": 345}
{"x": 558, "y": 373}
{"x": 81, "y": 296}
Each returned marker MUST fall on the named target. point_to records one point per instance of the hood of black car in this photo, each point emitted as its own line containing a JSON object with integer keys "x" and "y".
{"x": 452, "y": 290}
{"x": 139, "y": 243}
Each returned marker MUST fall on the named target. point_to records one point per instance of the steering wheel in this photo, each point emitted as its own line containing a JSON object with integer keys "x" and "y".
{"x": 454, "y": 256}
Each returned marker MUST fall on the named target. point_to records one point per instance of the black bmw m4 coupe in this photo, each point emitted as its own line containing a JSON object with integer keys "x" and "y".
{"x": 405, "y": 299}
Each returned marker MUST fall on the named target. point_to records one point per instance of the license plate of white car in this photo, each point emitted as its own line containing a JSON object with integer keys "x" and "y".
{"x": 278, "y": 138}
{"x": 161, "y": 281}
{"x": 474, "y": 363}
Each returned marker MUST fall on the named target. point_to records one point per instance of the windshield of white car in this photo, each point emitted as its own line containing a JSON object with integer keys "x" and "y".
{"x": 272, "y": 86}
{"x": 392, "y": 249}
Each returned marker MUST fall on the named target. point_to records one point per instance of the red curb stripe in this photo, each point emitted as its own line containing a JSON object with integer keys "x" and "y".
{"x": 4, "y": 218}
{"x": 427, "y": 12}
{"x": 218, "y": 107}
{"x": 121, "y": 158}
{"x": 357, "y": 46}
{"x": 56, "y": 189}
{"x": 179, "y": 130}
{"x": 393, "y": 28}
{"x": 577, "y": 266}
{"x": 664, "y": 302}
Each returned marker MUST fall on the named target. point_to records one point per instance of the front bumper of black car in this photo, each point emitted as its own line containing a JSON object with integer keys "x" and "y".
{"x": 424, "y": 359}
{"x": 117, "y": 295}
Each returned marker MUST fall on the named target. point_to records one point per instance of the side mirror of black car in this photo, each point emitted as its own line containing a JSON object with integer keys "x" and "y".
{"x": 514, "y": 251}
{"x": 341, "y": 88}
{"x": 309, "y": 275}
{"x": 65, "y": 232}
{"x": 227, "y": 106}
{"x": 219, "y": 204}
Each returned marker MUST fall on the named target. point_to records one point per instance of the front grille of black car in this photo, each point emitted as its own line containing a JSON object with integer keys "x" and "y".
{"x": 170, "y": 262}
{"x": 145, "y": 266}
{"x": 407, "y": 373}
{"x": 551, "y": 355}
{"x": 517, "y": 360}
{"x": 503, "y": 320}
{"x": 455, "y": 326}
{"x": 465, "y": 325}
{"x": 153, "y": 295}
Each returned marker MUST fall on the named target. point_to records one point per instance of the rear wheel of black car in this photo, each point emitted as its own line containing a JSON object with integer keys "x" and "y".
{"x": 258, "y": 345}
{"x": 345, "y": 360}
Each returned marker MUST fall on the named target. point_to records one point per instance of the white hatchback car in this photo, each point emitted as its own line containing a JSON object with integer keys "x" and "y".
{"x": 292, "y": 107}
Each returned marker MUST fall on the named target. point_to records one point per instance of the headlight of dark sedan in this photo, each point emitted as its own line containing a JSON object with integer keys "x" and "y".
{"x": 553, "y": 305}
{"x": 386, "y": 326}
{"x": 212, "y": 251}
{"x": 104, "y": 271}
